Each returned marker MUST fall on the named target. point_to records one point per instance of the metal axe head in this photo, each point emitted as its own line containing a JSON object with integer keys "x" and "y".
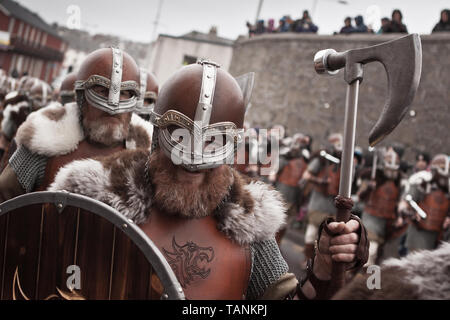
{"x": 402, "y": 60}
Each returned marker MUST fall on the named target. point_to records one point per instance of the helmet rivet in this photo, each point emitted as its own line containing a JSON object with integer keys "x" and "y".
{"x": 206, "y": 95}
{"x": 117, "y": 71}
{"x": 205, "y": 107}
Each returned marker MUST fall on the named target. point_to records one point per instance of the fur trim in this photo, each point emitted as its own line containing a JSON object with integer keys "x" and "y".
{"x": 99, "y": 180}
{"x": 11, "y": 109}
{"x": 421, "y": 275}
{"x": 65, "y": 132}
{"x": 62, "y": 124}
{"x": 253, "y": 212}
{"x": 420, "y": 177}
{"x": 9, "y": 126}
{"x": 140, "y": 134}
{"x": 266, "y": 218}
{"x": 427, "y": 270}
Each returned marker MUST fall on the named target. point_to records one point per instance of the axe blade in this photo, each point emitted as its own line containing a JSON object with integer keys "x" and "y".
{"x": 402, "y": 60}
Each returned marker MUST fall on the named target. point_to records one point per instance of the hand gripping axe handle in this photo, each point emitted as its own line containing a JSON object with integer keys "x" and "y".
{"x": 402, "y": 60}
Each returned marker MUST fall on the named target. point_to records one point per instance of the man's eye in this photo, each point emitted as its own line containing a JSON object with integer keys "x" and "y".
{"x": 126, "y": 94}
{"x": 101, "y": 91}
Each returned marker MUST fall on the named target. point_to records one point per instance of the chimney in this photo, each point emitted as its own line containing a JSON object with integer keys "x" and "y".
{"x": 213, "y": 31}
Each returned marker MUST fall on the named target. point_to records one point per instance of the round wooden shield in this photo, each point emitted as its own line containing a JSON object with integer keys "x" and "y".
{"x": 58, "y": 245}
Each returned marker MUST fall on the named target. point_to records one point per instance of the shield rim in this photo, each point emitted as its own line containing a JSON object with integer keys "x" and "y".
{"x": 61, "y": 199}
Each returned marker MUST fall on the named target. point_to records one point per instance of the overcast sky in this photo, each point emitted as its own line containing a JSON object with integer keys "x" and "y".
{"x": 134, "y": 19}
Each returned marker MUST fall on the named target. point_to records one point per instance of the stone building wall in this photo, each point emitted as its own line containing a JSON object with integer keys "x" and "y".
{"x": 288, "y": 91}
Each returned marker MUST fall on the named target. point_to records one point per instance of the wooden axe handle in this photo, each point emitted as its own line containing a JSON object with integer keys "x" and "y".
{"x": 344, "y": 206}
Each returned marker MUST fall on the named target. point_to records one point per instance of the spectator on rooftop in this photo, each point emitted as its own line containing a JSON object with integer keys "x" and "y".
{"x": 444, "y": 24}
{"x": 284, "y": 25}
{"x": 347, "y": 28}
{"x": 304, "y": 24}
{"x": 270, "y": 26}
{"x": 251, "y": 29}
{"x": 260, "y": 28}
{"x": 360, "y": 26}
{"x": 397, "y": 25}
{"x": 385, "y": 25}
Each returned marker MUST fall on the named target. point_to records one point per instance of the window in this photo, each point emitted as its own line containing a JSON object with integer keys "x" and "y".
{"x": 38, "y": 38}
{"x": 44, "y": 40}
{"x": 31, "y": 40}
{"x": 19, "y": 32}
{"x": 189, "y": 60}
{"x": 11, "y": 25}
{"x": 27, "y": 32}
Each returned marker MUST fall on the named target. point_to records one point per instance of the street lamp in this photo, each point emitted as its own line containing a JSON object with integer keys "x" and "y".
{"x": 258, "y": 11}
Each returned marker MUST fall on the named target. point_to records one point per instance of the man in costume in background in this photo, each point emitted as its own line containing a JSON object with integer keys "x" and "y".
{"x": 324, "y": 175}
{"x": 99, "y": 123}
{"x": 148, "y": 94}
{"x": 430, "y": 190}
{"x": 380, "y": 191}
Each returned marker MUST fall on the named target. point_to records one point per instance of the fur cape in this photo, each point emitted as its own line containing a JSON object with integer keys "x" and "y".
{"x": 55, "y": 130}
{"x": 422, "y": 275}
{"x": 253, "y": 211}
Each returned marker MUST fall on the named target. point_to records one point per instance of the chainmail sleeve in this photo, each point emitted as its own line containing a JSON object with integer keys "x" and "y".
{"x": 29, "y": 168}
{"x": 268, "y": 266}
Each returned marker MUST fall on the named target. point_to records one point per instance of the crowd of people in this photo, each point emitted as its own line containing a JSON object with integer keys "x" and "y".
{"x": 393, "y": 25}
{"x": 285, "y": 24}
{"x": 304, "y": 24}
{"x": 385, "y": 190}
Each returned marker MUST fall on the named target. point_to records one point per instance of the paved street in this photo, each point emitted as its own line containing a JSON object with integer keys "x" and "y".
{"x": 292, "y": 250}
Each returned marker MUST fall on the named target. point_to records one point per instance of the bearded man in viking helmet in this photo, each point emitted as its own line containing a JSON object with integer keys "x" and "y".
{"x": 381, "y": 194}
{"x": 99, "y": 123}
{"x": 32, "y": 94}
{"x": 149, "y": 93}
{"x": 291, "y": 172}
{"x": 323, "y": 175}
{"x": 35, "y": 98}
{"x": 187, "y": 198}
{"x": 430, "y": 191}
{"x": 67, "y": 89}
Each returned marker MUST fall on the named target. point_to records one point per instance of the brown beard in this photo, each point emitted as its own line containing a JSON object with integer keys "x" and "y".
{"x": 176, "y": 198}
{"x": 103, "y": 132}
